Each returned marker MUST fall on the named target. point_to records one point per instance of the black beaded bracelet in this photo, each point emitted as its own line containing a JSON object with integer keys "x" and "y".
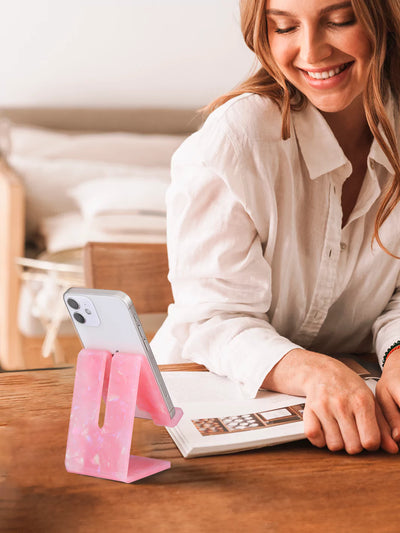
{"x": 394, "y": 347}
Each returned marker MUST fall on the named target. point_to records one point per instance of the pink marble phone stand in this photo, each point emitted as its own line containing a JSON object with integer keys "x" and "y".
{"x": 128, "y": 385}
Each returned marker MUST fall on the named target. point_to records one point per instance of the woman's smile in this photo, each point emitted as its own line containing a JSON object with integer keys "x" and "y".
{"x": 328, "y": 77}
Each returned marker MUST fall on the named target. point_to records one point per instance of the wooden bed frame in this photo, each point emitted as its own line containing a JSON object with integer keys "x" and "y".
{"x": 12, "y": 197}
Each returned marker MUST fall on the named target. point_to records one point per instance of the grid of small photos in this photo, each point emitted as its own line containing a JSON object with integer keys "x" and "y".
{"x": 249, "y": 422}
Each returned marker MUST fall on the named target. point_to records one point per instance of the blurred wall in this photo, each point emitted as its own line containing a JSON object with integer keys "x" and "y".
{"x": 119, "y": 53}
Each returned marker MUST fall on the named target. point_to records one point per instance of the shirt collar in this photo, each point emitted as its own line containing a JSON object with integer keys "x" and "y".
{"x": 320, "y": 148}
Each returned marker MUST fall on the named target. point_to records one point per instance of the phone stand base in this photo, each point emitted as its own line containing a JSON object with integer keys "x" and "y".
{"x": 127, "y": 383}
{"x": 138, "y": 468}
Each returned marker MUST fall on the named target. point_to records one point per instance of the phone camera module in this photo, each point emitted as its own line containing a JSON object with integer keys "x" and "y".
{"x": 82, "y": 309}
{"x": 73, "y": 303}
{"x": 79, "y": 318}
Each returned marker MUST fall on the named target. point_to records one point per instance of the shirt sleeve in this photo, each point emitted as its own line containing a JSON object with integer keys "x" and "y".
{"x": 220, "y": 279}
{"x": 386, "y": 328}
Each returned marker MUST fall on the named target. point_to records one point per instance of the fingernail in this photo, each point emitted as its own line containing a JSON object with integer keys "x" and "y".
{"x": 396, "y": 434}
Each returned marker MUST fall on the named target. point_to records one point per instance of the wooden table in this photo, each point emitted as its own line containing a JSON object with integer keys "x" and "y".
{"x": 293, "y": 487}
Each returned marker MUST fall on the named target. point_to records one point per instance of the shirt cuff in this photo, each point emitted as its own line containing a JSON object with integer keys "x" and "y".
{"x": 386, "y": 338}
{"x": 251, "y": 355}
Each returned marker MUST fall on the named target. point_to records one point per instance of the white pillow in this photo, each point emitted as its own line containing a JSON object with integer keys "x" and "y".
{"x": 70, "y": 230}
{"x": 126, "y": 228}
{"x": 129, "y": 224}
{"x": 121, "y": 195}
{"x": 63, "y": 232}
{"x": 47, "y": 181}
{"x": 123, "y": 148}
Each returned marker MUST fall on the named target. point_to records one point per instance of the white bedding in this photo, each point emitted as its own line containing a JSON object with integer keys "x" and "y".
{"x": 53, "y": 165}
{"x": 70, "y": 230}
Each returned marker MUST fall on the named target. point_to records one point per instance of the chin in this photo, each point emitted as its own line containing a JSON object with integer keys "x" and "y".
{"x": 336, "y": 103}
{"x": 327, "y": 106}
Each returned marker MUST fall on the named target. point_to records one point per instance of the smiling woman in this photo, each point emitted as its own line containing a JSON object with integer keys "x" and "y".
{"x": 283, "y": 217}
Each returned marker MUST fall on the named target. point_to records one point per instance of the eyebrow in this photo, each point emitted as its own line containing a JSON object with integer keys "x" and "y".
{"x": 328, "y": 9}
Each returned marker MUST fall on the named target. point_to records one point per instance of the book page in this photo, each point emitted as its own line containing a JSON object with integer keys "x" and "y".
{"x": 218, "y": 418}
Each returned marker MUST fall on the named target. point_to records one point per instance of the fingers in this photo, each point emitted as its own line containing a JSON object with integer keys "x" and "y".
{"x": 312, "y": 428}
{"x": 353, "y": 428}
{"x": 351, "y": 436}
{"x": 343, "y": 433}
{"x": 323, "y": 431}
{"x": 366, "y": 423}
{"x": 333, "y": 436}
{"x": 387, "y": 442}
{"x": 390, "y": 411}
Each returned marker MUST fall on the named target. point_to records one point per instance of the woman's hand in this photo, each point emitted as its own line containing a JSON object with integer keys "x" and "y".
{"x": 340, "y": 412}
{"x": 388, "y": 393}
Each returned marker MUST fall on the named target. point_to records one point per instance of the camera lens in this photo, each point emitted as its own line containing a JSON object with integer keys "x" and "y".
{"x": 79, "y": 318}
{"x": 73, "y": 303}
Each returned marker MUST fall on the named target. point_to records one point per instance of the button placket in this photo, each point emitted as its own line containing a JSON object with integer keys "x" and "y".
{"x": 325, "y": 285}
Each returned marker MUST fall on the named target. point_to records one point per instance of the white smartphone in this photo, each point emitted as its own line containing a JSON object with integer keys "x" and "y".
{"x": 107, "y": 320}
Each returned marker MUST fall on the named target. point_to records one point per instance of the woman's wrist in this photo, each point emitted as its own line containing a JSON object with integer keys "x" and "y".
{"x": 298, "y": 370}
{"x": 392, "y": 355}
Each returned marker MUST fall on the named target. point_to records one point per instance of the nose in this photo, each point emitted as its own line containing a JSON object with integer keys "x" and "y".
{"x": 314, "y": 46}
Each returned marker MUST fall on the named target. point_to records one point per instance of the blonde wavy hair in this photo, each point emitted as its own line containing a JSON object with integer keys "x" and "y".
{"x": 381, "y": 22}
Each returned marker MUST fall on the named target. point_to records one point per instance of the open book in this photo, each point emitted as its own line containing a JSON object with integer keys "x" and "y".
{"x": 219, "y": 419}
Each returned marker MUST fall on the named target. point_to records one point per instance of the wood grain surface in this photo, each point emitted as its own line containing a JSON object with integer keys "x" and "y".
{"x": 293, "y": 487}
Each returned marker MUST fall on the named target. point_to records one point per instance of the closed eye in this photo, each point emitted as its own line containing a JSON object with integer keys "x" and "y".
{"x": 285, "y": 30}
{"x": 342, "y": 24}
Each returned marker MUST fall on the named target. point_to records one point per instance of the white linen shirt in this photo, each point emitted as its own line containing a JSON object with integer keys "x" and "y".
{"x": 259, "y": 261}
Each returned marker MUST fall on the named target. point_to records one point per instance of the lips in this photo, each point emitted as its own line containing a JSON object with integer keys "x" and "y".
{"x": 326, "y": 73}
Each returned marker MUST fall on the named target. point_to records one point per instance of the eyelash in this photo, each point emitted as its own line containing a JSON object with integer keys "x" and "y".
{"x": 282, "y": 31}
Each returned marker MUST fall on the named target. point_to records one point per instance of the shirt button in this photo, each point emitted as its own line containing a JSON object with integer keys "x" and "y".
{"x": 372, "y": 163}
{"x": 343, "y": 246}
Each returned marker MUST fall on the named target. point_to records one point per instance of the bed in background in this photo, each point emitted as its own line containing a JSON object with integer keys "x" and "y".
{"x": 68, "y": 176}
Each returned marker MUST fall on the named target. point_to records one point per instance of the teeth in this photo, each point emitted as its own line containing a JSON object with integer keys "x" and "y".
{"x": 327, "y": 73}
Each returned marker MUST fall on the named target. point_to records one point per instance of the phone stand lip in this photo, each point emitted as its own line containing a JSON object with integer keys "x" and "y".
{"x": 126, "y": 381}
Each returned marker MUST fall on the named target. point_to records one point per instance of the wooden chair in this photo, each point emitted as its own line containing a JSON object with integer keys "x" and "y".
{"x": 138, "y": 269}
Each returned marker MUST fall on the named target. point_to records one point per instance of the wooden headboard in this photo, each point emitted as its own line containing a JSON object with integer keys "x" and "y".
{"x": 141, "y": 120}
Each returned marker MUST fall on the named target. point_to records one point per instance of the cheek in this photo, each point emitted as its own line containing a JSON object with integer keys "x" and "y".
{"x": 281, "y": 52}
{"x": 359, "y": 46}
